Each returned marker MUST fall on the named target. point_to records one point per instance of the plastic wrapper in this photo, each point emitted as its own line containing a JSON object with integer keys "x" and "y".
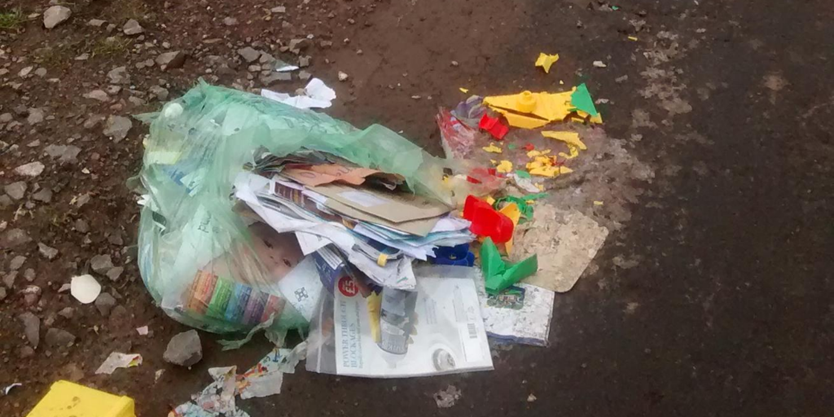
{"x": 201, "y": 261}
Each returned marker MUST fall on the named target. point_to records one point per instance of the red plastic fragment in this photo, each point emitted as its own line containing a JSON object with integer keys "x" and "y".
{"x": 486, "y": 221}
{"x": 529, "y": 147}
{"x": 494, "y": 126}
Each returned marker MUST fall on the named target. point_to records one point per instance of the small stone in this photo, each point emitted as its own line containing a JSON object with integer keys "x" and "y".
{"x": 55, "y": 15}
{"x": 26, "y": 352}
{"x": 161, "y": 93}
{"x": 40, "y": 72}
{"x": 96, "y": 23}
{"x": 114, "y": 89}
{"x": 170, "y": 60}
{"x": 101, "y": 263}
{"x": 5, "y": 201}
{"x": 132, "y": 27}
{"x": 119, "y": 75}
{"x": 278, "y": 9}
{"x": 136, "y": 101}
{"x": 32, "y": 169}
{"x": 230, "y": 21}
{"x": 298, "y": 44}
{"x": 13, "y": 238}
{"x": 275, "y": 77}
{"x": 115, "y": 237}
{"x": 249, "y": 54}
{"x": 16, "y": 190}
{"x": 455, "y": 63}
{"x": 29, "y": 275}
{"x": 99, "y": 95}
{"x": 117, "y": 127}
{"x": 31, "y": 295}
{"x": 9, "y": 279}
{"x": 184, "y": 349}
{"x": 115, "y": 272}
{"x": 82, "y": 226}
{"x": 44, "y": 195}
{"x": 600, "y": 64}
{"x": 17, "y": 262}
{"x": 304, "y": 75}
{"x": 65, "y": 153}
{"x": 6, "y": 118}
{"x": 104, "y": 303}
{"x": 66, "y": 312}
{"x": 35, "y": 116}
{"x": 304, "y": 61}
{"x": 56, "y": 337}
{"x": 72, "y": 372}
{"x": 46, "y": 251}
{"x": 31, "y": 328}
{"x": 342, "y": 76}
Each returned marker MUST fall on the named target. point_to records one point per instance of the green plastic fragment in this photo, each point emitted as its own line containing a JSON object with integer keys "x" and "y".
{"x": 581, "y": 99}
{"x": 522, "y": 174}
{"x": 525, "y": 209}
{"x": 511, "y": 146}
{"x": 500, "y": 274}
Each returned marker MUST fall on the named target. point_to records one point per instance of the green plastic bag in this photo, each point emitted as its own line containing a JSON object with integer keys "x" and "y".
{"x": 198, "y": 258}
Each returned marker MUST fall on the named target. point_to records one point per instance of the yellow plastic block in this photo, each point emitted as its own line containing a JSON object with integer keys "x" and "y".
{"x": 571, "y": 138}
{"x": 548, "y": 106}
{"x": 66, "y": 399}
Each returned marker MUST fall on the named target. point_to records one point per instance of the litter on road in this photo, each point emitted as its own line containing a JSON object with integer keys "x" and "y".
{"x": 391, "y": 262}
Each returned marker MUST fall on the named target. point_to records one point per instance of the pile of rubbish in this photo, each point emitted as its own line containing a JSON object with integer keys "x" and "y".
{"x": 259, "y": 213}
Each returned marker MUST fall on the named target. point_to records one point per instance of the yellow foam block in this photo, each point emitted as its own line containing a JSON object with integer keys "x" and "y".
{"x": 66, "y": 399}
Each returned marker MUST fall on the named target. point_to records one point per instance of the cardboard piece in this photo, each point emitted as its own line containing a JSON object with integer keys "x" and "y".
{"x": 394, "y": 207}
{"x": 566, "y": 242}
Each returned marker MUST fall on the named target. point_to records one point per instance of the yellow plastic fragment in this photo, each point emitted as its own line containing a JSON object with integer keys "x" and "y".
{"x": 534, "y": 153}
{"x": 548, "y": 106}
{"x": 546, "y": 61}
{"x": 598, "y": 203}
{"x": 511, "y": 210}
{"x": 463, "y": 90}
{"x": 492, "y": 148}
{"x": 382, "y": 259}
{"x": 574, "y": 152}
{"x": 632, "y": 38}
{"x": 504, "y": 167}
{"x": 597, "y": 119}
{"x": 571, "y": 138}
{"x": 539, "y": 186}
{"x": 521, "y": 121}
{"x": 490, "y": 200}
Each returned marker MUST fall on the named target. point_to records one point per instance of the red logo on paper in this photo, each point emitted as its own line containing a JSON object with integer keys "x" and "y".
{"x": 347, "y": 286}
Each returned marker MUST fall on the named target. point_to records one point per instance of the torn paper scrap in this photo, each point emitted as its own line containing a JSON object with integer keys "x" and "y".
{"x": 267, "y": 376}
{"x": 519, "y": 314}
{"x": 118, "y": 360}
{"x": 545, "y": 61}
{"x": 565, "y": 242}
{"x": 317, "y": 95}
{"x": 217, "y": 399}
